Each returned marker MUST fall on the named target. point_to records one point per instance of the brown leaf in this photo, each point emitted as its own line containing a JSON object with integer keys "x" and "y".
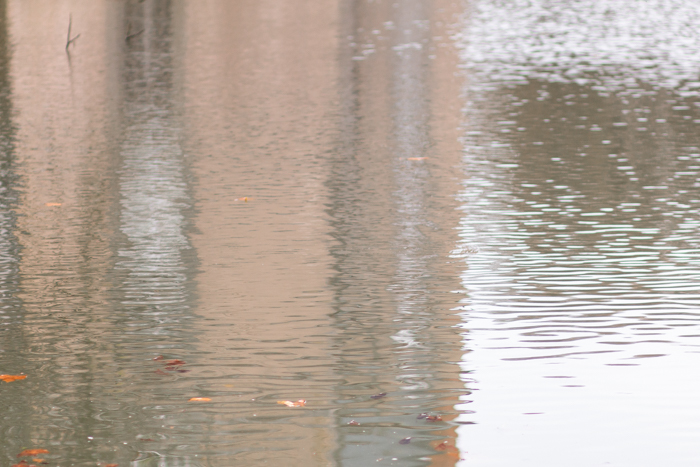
{"x": 354, "y": 423}
{"x": 11, "y": 378}
{"x": 434, "y": 418}
{"x": 159, "y": 357}
{"x": 175, "y": 362}
{"x": 200, "y": 399}
{"x": 299, "y": 403}
{"x": 32, "y": 452}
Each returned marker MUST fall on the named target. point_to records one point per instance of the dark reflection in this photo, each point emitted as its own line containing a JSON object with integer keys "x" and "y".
{"x": 12, "y": 328}
{"x": 106, "y": 266}
{"x": 390, "y": 313}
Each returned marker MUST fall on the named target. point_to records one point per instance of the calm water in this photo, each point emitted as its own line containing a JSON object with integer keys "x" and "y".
{"x": 464, "y": 233}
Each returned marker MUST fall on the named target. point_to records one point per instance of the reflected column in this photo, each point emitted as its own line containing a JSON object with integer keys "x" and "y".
{"x": 392, "y": 209}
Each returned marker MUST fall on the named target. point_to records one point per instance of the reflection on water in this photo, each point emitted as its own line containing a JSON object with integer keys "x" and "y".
{"x": 268, "y": 194}
{"x": 581, "y": 197}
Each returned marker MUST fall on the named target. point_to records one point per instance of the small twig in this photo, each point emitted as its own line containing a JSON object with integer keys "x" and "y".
{"x": 68, "y": 38}
{"x": 128, "y": 31}
{"x": 134, "y": 35}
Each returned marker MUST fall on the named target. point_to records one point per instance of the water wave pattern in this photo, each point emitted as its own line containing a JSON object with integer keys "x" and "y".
{"x": 573, "y": 41}
{"x": 556, "y": 268}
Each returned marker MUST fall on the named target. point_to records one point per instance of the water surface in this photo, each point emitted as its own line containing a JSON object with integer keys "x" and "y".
{"x": 463, "y": 234}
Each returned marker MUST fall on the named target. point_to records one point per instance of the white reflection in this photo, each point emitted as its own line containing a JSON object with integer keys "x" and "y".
{"x": 655, "y": 41}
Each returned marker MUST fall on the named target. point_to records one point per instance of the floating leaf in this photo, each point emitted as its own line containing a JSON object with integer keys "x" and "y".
{"x": 405, "y": 440}
{"x": 434, "y": 418}
{"x": 354, "y": 423}
{"x": 53, "y": 205}
{"x": 40, "y": 461}
{"x": 244, "y": 199}
{"x": 161, "y": 372}
{"x": 416, "y": 158}
{"x": 159, "y": 357}
{"x": 378, "y": 396}
{"x": 175, "y": 362}
{"x": 200, "y": 399}
{"x": 11, "y": 378}
{"x": 32, "y": 452}
{"x": 422, "y": 416}
{"x": 299, "y": 403}
{"x": 111, "y": 465}
{"x": 442, "y": 446}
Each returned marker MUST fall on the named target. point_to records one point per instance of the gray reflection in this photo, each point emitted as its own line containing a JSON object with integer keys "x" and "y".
{"x": 152, "y": 183}
{"x": 154, "y": 259}
{"x": 12, "y": 336}
{"x": 388, "y": 243}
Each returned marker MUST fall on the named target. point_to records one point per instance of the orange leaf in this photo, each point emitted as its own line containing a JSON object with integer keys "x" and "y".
{"x": 53, "y": 205}
{"x": 175, "y": 362}
{"x": 200, "y": 399}
{"x": 244, "y": 199}
{"x": 434, "y": 418}
{"x": 32, "y": 452}
{"x": 416, "y": 158}
{"x": 299, "y": 403}
{"x": 159, "y": 357}
{"x": 11, "y": 378}
{"x": 38, "y": 460}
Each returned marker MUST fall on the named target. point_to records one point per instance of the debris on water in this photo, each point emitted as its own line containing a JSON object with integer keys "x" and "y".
{"x": 299, "y": 403}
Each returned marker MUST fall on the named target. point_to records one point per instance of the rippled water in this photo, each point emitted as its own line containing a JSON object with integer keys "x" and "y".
{"x": 580, "y": 233}
{"x": 463, "y": 234}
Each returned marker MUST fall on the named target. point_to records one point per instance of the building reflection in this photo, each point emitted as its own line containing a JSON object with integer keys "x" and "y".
{"x": 101, "y": 223}
{"x": 398, "y": 138}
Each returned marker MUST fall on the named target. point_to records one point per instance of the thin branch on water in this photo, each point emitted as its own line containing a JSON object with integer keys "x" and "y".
{"x": 128, "y": 30}
{"x": 68, "y": 38}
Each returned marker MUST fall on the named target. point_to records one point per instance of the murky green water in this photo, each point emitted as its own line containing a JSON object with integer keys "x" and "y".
{"x": 462, "y": 233}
